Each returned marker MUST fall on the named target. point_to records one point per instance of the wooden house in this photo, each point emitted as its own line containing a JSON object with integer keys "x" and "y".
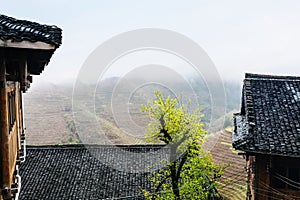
{"x": 267, "y": 130}
{"x": 25, "y": 49}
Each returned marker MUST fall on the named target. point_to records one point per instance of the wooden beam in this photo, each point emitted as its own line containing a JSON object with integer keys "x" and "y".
{"x": 26, "y": 45}
{"x": 15, "y": 78}
{"x": 11, "y": 77}
{"x": 23, "y": 74}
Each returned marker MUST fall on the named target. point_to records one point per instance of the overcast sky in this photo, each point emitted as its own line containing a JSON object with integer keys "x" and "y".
{"x": 239, "y": 36}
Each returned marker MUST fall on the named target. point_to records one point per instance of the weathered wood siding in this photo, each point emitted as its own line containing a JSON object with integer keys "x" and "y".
{"x": 11, "y": 127}
{"x": 262, "y": 177}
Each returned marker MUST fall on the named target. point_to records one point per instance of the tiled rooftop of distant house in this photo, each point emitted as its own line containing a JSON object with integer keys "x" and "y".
{"x": 20, "y": 30}
{"x": 74, "y": 172}
{"x": 269, "y": 121}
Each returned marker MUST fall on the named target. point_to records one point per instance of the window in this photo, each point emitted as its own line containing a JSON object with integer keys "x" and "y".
{"x": 11, "y": 109}
{"x": 293, "y": 175}
{"x": 278, "y": 181}
{"x": 285, "y": 177}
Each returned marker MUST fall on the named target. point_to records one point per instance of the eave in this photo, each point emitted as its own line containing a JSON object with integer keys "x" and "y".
{"x": 27, "y": 45}
{"x": 253, "y": 153}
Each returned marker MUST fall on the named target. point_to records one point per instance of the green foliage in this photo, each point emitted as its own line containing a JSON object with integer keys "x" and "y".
{"x": 189, "y": 172}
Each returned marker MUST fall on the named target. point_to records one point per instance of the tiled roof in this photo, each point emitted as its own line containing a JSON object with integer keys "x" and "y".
{"x": 269, "y": 121}
{"x": 19, "y": 30}
{"x": 73, "y": 172}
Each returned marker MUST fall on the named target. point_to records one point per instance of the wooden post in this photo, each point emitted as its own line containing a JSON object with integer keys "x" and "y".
{"x": 5, "y": 182}
{"x": 2, "y": 113}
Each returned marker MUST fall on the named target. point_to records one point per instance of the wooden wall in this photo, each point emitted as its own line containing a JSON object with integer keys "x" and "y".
{"x": 11, "y": 127}
{"x": 287, "y": 192}
{"x": 262, "y": 177}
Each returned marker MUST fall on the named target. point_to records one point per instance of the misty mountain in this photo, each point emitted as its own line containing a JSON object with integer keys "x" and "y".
{"x": 111, "y": 109}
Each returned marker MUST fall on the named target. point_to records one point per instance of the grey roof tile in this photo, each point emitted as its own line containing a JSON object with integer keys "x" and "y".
{"x": 272, "y": 111}
{"x": 19, "y": 30}
{"x": 73, "y": 172}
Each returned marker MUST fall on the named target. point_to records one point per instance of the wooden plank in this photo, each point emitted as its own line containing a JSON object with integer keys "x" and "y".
{"x": 2, "y": 118}
{"x": 26, "y": 45}
{"x": 13, "y": 150}
{"x": 18, "y": 117}
{"x": 5, "y": 161}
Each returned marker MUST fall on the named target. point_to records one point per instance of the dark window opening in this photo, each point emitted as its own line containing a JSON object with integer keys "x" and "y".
{"x": 278, "y": 182}
{"x": 11, "y": 110}
{"x": 294, "y": 177}
{"x": 286, "y": 178}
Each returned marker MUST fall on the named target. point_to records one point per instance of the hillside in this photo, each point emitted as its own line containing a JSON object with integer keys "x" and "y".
{"x": 103, "y": 116}
{"x": 48, "y": 117}
{"x": 233, "y": 183}
{"x": 49, "y": 120}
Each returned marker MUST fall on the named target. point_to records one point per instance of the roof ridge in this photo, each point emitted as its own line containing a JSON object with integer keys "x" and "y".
{"x": 251, "y": 76}
{"x": 249, "y": 111}
{"x": 248, "y": 98}
{"x": 86, "y": 146}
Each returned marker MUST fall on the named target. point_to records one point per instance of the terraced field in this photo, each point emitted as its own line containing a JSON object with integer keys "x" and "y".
{"x": 233, "y": 183}
{"x": 47, "y": 113}
{"x": 49, "y": 120}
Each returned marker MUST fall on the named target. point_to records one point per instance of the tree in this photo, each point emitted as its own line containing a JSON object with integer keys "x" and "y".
{"x": 189, "y": 172}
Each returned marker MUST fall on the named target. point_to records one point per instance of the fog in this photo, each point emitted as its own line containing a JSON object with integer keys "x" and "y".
{"x": 238, "y": 36}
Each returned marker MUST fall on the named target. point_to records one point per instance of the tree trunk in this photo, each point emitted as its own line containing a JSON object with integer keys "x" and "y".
{"x": 174, "y": 175}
